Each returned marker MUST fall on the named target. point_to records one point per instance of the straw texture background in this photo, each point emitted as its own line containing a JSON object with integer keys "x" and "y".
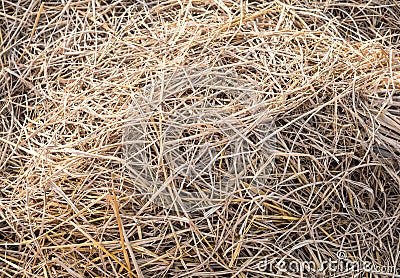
{"x": 327, "y": 74}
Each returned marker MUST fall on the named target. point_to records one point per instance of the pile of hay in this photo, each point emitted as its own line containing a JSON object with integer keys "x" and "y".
{"x": 199, "y": 138}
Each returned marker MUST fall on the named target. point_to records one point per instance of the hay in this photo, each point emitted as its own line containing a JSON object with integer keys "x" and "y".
{"x": 193, "y": 141}
{"x": 287, "y": 112}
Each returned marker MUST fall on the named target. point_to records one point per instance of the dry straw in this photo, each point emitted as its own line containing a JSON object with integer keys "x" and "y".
{"x": 197, "y": 137}
{"x": 77, "y": 75}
